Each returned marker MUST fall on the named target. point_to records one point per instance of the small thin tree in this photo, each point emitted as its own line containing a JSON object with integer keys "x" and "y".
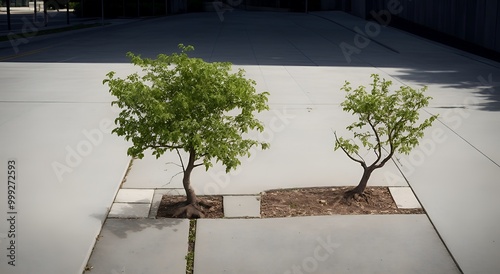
{"x": 183, "y": 103}
{"x": 387, "y": 123}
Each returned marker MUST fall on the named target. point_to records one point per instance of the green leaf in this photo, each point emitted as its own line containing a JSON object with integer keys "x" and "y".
{"x": 388, "y": 122}
{"x": 181, "y": 102}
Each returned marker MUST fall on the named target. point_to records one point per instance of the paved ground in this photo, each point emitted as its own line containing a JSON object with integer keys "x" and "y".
{"x": 333, "y": 244}
{"x": 297, "y": 58}
{"x": 141, "y": 246}
{"x": 60, "y": 136}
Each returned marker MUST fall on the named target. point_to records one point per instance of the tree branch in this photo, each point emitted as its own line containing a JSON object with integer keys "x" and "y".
{"x": 180, "y": 157}
{"x": 173, "y": 163}
{"x": 197, "y": 165}
{"x": 391, "y": 153}
{"x": 376, "y": 153}
{"x": 397, "y": 124}
{"x": 377, "y": 137}
{"x": 361, "y": 157}
{"x": 165, "y": 146}
{"x": 171, "y": 178}
{"x": 361, "y": 162}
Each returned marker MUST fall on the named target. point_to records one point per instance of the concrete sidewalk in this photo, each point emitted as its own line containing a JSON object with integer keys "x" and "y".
{"x": 144, "y": 246}
{"x": 330, "y": 244}
{"x": 321, "y": 244}
{"x": 301, "y": 94}
{"x": 134, "y": 241}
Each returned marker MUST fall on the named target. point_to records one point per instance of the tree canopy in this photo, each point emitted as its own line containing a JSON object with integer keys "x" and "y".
{"x": 388, "y": 122}
{"x": 184, "y": 103}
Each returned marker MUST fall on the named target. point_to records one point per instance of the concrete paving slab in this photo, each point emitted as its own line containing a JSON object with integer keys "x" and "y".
{"x": 404, "y": 197}
{"x": 144, "y": 246}
{"x": 140, "y": 196}
{"x": 469, "y": 119}
{"x": 126, "y": 210}
{"x": 459, "y": 194}
{"x": 70, "y": 166}
{"x": 241, "y": 206}
{"x": 155, "y": 204}
{"x": 151, "y": 173}
{"x": 333, "y": 244}
{"x": 171, "y": 191}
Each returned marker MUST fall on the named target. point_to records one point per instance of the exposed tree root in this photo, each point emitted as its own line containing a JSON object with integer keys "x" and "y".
{"x": 205, "y": 204}
{"x": 354, "y": 195}
{"x": 191, "y": 211}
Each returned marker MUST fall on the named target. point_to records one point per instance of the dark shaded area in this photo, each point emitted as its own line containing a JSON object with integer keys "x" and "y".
{"x": 35, "y": 33}
{"x": 472, "y": 26}
{"x": 485, "y": 84}
{"x": 492, "y": 95}
{"x": 14, "y": 3}
{"x": 127, "y": 8}
{"x": 122, "y": 227}
{"x": 444, "y": 38}
{"x": 469, "y": 74}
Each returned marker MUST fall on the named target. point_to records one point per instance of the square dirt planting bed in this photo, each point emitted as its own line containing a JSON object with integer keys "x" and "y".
{"x": 329, "y": 201}
{"x": 169, "y": 204}
{"x": 302, "y": 202}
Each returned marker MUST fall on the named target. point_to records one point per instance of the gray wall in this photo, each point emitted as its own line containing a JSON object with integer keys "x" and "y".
{"x": 475, "y": 21}
{"x": 177, "y": 6}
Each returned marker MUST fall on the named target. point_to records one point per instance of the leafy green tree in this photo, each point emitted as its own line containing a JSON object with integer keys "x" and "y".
{"x": 183, "y": 103}
{"x": 387, "y": 123}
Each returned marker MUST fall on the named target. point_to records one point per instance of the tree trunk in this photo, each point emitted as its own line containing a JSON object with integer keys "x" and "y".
{"x": 186, "y": 183}
{"x": 186, "y": 180}
{"x": 367, "y": 172}
{"x": 192, "y": 208}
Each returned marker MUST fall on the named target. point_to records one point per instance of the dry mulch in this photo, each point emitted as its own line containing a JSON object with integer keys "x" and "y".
{"x": 328, "y": 201}
{"x": 303, "y": 202}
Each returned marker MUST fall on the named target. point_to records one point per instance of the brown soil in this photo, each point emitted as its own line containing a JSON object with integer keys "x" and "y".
{"x": 328, "y": 201}
{"x": 303, "y": 202}
{"x": 169, "y": 204}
